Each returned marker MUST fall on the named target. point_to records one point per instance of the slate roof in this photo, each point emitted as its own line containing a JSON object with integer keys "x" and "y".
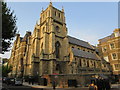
{"x": 78, "y": 42}
{"x": 96, "y": 49}
{"x": 84, "y": 54}
{"x": 107, "y": 38}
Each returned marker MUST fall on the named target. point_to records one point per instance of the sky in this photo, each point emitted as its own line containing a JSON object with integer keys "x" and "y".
{"x": 88, "y": 21}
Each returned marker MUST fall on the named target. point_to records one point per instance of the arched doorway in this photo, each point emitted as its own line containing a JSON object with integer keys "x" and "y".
{"x": 58, "y": 68}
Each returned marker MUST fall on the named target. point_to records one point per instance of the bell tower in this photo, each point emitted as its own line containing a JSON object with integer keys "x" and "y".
{"x": 54, "y": 41}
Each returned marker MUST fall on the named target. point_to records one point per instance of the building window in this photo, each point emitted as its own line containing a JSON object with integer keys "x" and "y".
{"x": 49, "y": 13}
{"x": 104, "y": 49}
{"x": 75, "y": 59}
{"x": 71, "y": 69}
{"x": 43, "y": 29}
{"x": 72, "y": 47}
{"x": 46, "y": 14}
{"x": 91, "y": 63}
{"x": 59, "y": 15}
{"x": 25, "y": 50}
{"x": 55, "y": 13}
{"x": 57, "y": 28}
{"x": 57, "y": 49}
{"x": 80, "y": 63}
{"x": 88, "y": 63}
{"x": 112, "y": 46}
{"x": 84, "y": 63}
{"x": 117, "y": 66}
{"x": 114, "y": 56}
{"x": 94, "y": 64}
{"x": 21, "y": 62}
{"x": 57, "y": 67}
{"x": 104, "y": 65}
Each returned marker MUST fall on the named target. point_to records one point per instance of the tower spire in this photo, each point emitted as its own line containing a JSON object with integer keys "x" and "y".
{"x": 42, "y": 9}
{"x": 50, "y": 3}
{"x": 62, "y": 9}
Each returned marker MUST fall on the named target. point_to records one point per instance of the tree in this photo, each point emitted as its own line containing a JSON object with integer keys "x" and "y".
{"x": 9, "y": 28}
{"x": 6, "y": 69}
{"x": 0, "y": 70}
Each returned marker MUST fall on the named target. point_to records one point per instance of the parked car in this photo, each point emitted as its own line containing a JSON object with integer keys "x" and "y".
{"x": 18, "y": 81}
{"x": 4, "y": 79}
{"x": 13, "y": 81}
{"x": 3, "y": 88}
{"x": 10, "y": 81}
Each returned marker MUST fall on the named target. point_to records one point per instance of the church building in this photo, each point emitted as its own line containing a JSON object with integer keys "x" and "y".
{"x": 50, "y": 53}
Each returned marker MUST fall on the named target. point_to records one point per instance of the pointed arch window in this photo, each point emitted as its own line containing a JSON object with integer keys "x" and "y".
{"x": 87, "y": 63}
{"x": 58, "y": 68}
{"x": 57, "y": 49}
{"x": 59, "y": 15}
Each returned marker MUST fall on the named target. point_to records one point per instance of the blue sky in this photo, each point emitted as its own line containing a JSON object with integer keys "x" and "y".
{"x": 87, "y": 21}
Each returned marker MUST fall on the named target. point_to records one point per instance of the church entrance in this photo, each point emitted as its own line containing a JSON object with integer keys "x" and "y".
{"x": 72, "y": 82}
{"x": 43, "y": 81}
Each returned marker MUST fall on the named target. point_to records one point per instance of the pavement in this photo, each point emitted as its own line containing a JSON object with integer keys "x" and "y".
{"x": 57, "y": 88}
{"x": 35, "y": 85}
{"x": 114, "y": 87}
{"x": 26, "y": 86}
{"x": 13, "y": 87}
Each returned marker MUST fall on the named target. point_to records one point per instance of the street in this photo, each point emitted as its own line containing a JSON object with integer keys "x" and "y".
{"x": 24, "y": 87}
{"x": 9, "y": 87}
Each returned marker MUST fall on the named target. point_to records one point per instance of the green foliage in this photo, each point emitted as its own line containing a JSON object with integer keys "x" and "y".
{"x": 9, "y": 28}
{"x": 5, "y": 70}
{"x": 0, "y": 70}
